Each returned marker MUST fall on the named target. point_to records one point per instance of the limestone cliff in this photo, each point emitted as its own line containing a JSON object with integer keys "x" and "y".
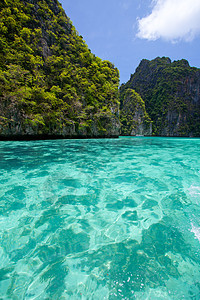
{"x": 133, "y": 116}
{"x": 51, "y": 85}
{"x": 171, "y": 92}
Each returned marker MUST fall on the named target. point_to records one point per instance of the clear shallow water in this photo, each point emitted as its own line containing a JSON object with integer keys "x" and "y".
{"x": 100, "y": 219}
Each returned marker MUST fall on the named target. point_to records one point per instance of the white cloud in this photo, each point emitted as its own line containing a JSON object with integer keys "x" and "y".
{"x": 172, "y": 20}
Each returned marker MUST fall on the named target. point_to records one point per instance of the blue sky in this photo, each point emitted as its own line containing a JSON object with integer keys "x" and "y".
{"x": 126, "y": 31}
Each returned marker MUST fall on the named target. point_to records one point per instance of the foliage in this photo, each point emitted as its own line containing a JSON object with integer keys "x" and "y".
{"x": 171, "y": 94}
{"x": 132, "y": 112}
{"x": 49, "y": 78}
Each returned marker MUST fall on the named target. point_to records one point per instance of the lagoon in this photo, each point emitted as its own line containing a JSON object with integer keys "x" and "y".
{"x": 100, "y": 219}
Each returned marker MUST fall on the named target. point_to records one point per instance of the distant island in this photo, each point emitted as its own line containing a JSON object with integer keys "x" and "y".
{"x": 52, "y": 86}
{"x": 171, "y": 99}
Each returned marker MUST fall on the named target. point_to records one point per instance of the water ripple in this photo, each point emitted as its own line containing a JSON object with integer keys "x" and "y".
{"x": 100, "y": 219}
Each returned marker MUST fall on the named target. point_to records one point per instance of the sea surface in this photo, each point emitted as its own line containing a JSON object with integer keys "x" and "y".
{"x": 100, "y": 219}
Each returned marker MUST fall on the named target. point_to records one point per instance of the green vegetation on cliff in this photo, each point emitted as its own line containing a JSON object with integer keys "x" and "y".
{"x": 50, "y": 82}
{"x": 133, "y": 116}
{"x": 171, "y": 92}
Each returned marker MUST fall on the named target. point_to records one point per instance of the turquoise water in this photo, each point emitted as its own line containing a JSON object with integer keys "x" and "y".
{"x": 100, "y": 219}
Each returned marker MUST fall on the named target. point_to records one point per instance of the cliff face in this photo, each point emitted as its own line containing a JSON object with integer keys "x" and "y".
{"x": 171, "y": 92}
{"x": 51, "y": 85}
{"x": 133, "y": 116}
